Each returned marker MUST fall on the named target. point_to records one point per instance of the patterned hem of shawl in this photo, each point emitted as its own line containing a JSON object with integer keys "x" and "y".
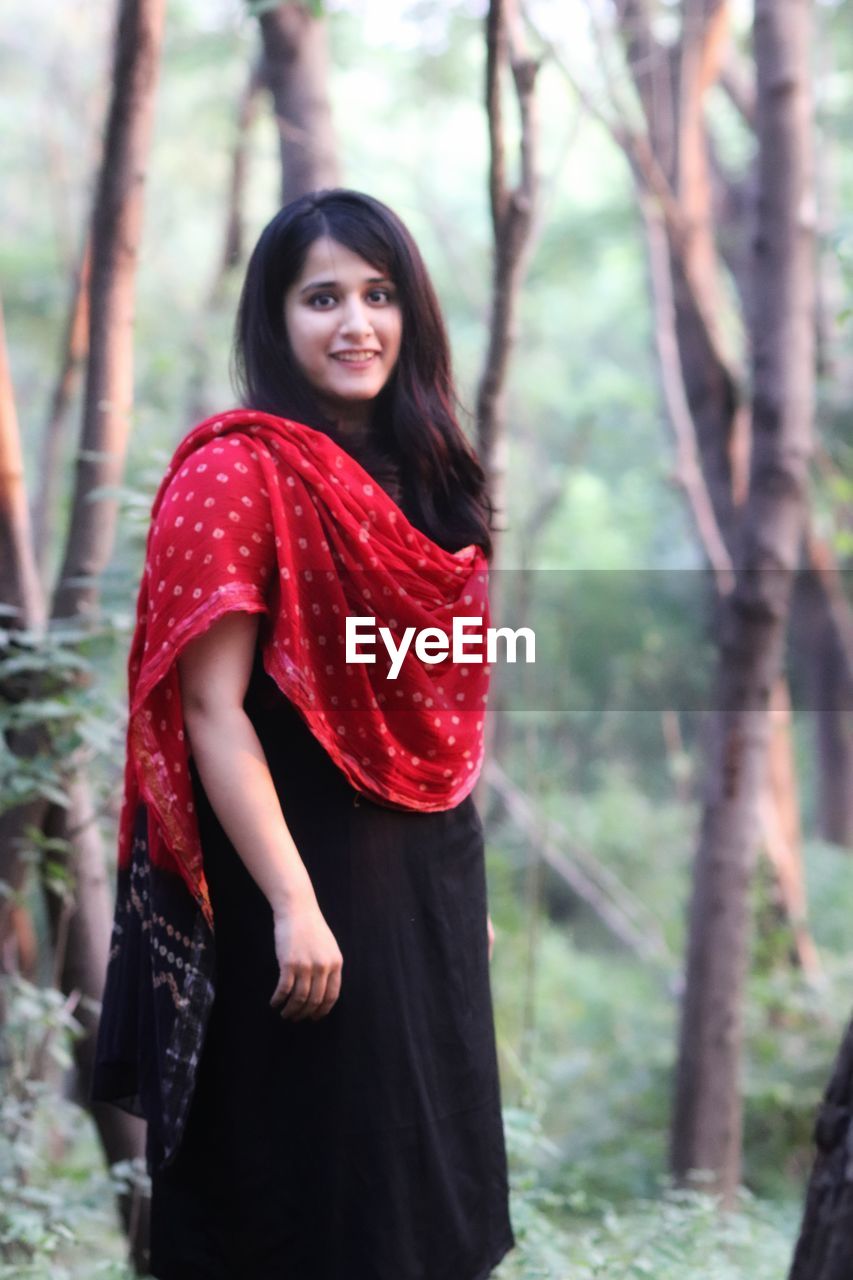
{"x": 157, "y": 999}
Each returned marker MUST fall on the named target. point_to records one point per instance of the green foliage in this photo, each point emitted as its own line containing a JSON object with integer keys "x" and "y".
{"x": 52, "y": 700}
{"x": 53, "y": 1208}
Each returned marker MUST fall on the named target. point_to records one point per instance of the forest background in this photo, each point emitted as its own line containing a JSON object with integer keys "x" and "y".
{"x": 594, "y": 796}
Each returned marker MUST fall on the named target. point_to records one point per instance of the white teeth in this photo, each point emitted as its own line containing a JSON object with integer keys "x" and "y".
{"x": 360, "y": 358}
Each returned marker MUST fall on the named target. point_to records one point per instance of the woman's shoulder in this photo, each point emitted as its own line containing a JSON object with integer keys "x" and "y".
{"x": 215, "y": 491}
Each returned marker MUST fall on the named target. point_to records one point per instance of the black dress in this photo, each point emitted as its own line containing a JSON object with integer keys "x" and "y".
{"x": 367, "y": 1145}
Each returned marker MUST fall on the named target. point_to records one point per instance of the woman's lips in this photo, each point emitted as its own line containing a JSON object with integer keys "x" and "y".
{"x": 355, "y": 359}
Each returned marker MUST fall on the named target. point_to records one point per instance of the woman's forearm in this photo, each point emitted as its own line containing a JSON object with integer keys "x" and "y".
{"x": 236, "y": 778}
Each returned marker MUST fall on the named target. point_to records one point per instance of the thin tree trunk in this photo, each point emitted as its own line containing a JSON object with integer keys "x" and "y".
{"x": 233, "y": 250}
{"x": 834, "y": 729}
{"x": 513, "y": 212}
{"x": 780, "y": 826}
{"x": 199, "y": 348}
{"x": 824, "y": 645}
{"x": 75, "y": 348}
{"x": 116, "y": 224}
{"x": 707, "y": 1120}
{"x": 296, "y": 69}
{"x": 20, "y": 587}
{"x": 24, "y": 608}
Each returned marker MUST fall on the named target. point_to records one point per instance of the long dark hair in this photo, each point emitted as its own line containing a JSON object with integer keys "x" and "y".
{"x": 418, "y": 450}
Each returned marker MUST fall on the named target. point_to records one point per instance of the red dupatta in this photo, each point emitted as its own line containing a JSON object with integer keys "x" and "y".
{"x": 261, "y": 514}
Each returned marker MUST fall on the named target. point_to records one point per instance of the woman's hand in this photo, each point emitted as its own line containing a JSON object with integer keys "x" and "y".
{"x": 309, "y": 961}
{"x": 491, "y": 931}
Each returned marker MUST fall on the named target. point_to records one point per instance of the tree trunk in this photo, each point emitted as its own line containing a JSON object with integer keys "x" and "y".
{"x": 116, "y": 223}
{"x": 296, "y": 68}
{"x": 513, "y": 211}
{"x": 707, "y": 1120}
{"x": 24, "y": 608}
{"x": 834, "y": 728}
{"x": 822, "y": 637}
{"x": 75, "y": 348}
{"x": 512, "y": 221}
{"x": 233, "y": 250}
{"x": 824, "y": 1250}
{"x": 20, "y": 587}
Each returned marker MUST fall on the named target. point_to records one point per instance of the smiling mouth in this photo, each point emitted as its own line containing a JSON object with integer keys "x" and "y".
{"x": 355, "y": 358}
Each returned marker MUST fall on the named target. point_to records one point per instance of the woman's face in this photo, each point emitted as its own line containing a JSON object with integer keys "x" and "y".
{"x": 344, "y": 324}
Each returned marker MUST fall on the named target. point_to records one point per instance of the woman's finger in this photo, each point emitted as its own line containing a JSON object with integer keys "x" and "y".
{"x": 287, "y": 978}
{"x": 316, "y": 995}
{"x": 298, "y": 995}
{"x": 333, "y": 990}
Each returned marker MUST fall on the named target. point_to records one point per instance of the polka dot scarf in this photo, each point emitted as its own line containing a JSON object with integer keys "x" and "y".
{"x": 268, "y": 516}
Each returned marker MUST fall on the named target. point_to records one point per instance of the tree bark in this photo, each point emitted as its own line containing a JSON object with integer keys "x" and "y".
{"x": 513, "y": 212}
{"x": 23, "y": 609}
{"x": 116, "y": 225}
{"x": 233, "y": 250}
{"x": 20, "y": 587}
{"x": 296, "y": 69}
{"x": 75, "y": 348}
{"x": 824, "y": 1250}
{"x": 707, "y": 1119}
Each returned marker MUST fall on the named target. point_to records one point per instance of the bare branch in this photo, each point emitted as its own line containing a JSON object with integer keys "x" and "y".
{"x": 688, "y": 468}
{"x": 736, "y": 79}
{"x": 496, "y": 40}
{"x": 623, "y": 915}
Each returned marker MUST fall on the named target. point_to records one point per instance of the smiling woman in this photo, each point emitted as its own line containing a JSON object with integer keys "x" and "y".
{"x": 298, "y": 994}
{"x": 344, "y": 324}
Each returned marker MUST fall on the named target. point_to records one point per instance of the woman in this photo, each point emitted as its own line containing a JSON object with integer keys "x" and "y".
{"x": 298, "y": 994}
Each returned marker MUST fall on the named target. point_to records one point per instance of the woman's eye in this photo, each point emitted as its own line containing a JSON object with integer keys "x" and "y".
{"x": 380, "y": 295}
{"x": 322, "y": 301}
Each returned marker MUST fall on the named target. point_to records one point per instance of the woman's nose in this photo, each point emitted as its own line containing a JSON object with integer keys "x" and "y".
{"x": 355, "y": 319}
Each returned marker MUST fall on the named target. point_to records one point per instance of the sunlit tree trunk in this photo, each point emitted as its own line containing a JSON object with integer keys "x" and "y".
{"x": 707, "y": 1121}
{"x": 20, "y": 589}
{"x": 296, "y": 69}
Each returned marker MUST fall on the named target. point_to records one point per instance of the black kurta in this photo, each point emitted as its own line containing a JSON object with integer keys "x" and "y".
{"x": 367, "y": 1145}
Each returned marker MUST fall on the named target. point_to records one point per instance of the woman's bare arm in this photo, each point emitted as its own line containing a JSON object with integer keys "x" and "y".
{"x": 214, "y": 671}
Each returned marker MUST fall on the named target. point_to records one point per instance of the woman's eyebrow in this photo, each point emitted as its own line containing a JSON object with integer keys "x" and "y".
{"x": 333, "y": 284}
